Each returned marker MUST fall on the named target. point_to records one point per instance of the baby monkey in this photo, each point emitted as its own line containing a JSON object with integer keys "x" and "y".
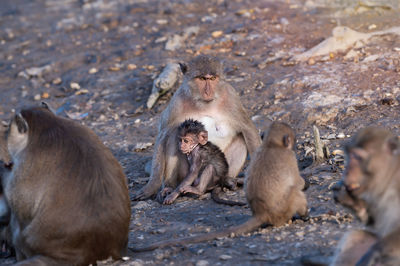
{"x": 207, "y": 169}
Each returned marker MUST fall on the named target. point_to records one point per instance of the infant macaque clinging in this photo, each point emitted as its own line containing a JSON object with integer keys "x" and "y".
{"x": 207, "y": 167}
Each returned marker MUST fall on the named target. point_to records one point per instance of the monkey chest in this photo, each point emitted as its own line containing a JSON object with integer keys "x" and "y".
{"x": 220, "y": 132}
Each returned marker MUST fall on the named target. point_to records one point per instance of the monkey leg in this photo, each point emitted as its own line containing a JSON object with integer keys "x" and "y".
{"x": 188, "y": 181}
{"x": 205, "y": 179}
{"x": 235, "y": 155}
{"x": 301, "y": 205}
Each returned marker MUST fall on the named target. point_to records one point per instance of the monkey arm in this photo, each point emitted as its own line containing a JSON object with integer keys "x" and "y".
{"x": 188, "y": 181}
{"x": 250, "y": 135}
{"x": 157, "y": 169}
{"x": 193, "y": 172}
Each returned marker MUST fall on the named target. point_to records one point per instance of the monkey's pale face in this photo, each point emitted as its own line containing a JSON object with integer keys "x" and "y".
{"x": 188, "y": 143}
{"x": 17, "y": 138}
{"x": 207, "y": 86}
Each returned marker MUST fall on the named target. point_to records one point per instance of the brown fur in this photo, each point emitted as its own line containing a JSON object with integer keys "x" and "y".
{"x": 67, "y": 193}
{"x": 207, "y": 169}
{"x": 371, "y": 187}
{"x": 274, "y": 188}
{"x": 203, "y": 96}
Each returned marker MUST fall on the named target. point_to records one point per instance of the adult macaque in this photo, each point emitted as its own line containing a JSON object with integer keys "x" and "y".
{"x": 67, "y": 193}
{"x": 208, "y": 167}
{"x": 371, "y": 186}
{"x": 206, "y": 97}
{"x": 273, "y": 189}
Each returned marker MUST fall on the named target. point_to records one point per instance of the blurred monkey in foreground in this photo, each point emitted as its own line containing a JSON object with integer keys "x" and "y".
{"x": 371, "y": 187}
{"x": 67, "y": 193}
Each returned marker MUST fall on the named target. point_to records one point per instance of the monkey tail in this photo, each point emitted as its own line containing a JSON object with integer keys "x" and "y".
{"x": 215, "y": 196}
{"x": 246, "y": 227}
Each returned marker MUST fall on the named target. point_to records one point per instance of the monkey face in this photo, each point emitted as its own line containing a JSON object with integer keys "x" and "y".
{"x": 207, "y": 85}
{"x": 188, "y": 143}
{"x": 342, "y": 196}
{"x": 17, "y": 137}
{"x": 371, "y": 162}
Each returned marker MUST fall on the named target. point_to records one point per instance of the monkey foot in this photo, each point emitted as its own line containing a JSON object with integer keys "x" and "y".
{"x": 171, "y": 198}
{"x": 163, "y": 193}
{"x": 231, "y": 183}
{"x": 189, "y": 189}
{"x": 140, "y": 195}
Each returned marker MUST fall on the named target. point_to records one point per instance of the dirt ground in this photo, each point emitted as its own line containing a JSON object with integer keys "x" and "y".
{"x": 95, "y": 61}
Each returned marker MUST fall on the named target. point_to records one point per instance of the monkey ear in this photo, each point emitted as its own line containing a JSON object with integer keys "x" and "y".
{"x": 203, "y": 137}
{"x": 287, "y": 141}
{"x": 45, "y": 105}
{"x": 183, "y": 67}
{"x": 21, "y": 123}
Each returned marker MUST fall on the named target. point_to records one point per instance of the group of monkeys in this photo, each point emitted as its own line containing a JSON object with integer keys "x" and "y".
{"x": 65, "y": 201}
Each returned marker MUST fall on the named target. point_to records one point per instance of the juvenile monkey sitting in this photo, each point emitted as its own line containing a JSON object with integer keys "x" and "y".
{"x": 207, "y": 167}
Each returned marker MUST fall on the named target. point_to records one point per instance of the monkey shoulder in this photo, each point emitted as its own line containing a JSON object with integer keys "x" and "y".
{"x": 211, "y": 154}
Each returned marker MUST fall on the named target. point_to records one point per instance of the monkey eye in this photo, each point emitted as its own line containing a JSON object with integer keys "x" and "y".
{"x": 203, "y": 78}
{"x": 213, "y": 78}
{"x": 185, "y": 140}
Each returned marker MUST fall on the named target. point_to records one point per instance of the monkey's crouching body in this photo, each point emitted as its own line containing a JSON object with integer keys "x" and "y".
{"x": 371, "y": 187}
{"x": 274, "y": 185}
{"x": 67, "y": 193}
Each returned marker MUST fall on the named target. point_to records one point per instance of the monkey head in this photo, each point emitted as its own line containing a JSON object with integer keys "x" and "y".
{"x": 191, "y": 133}
{"x": 280, "y": 135}
{"x": 21, "y": 130}
{"x": 371, "y": 160}
{"x": 203, "y": 74}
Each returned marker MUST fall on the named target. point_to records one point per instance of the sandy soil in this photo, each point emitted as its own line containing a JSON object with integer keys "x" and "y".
{"x": 95, "y": 62}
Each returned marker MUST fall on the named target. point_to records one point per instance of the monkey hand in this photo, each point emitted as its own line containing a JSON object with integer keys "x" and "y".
{"x": 171, "y": 198}
{"x": 163, "y": 193}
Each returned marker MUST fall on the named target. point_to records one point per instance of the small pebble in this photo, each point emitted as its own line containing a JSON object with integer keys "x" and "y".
{"x": 341, "y": 135}
{"x": 93, "y": 70}
{"x": 131, "y": 66}
{"x": 37, "y": 97}
{"x": 74, "y": 86}
{"x": 225, "y": 257}
{"x": 217, "y": 33}
{"x": 311, "y": 61}
{"x": 202, "y": 263}
{"x": 56, "y": 81}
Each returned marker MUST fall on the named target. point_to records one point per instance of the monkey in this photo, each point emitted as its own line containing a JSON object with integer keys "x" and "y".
{"x": 67, "y": 193}
{"x": 273, "y": 188}
{"x": 207, "y": 164}
{"x": 371, "y": 187}
{"x": 204, "y": 96}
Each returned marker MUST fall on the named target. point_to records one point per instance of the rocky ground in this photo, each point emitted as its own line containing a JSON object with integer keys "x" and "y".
{"x": 95, "y": 61}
